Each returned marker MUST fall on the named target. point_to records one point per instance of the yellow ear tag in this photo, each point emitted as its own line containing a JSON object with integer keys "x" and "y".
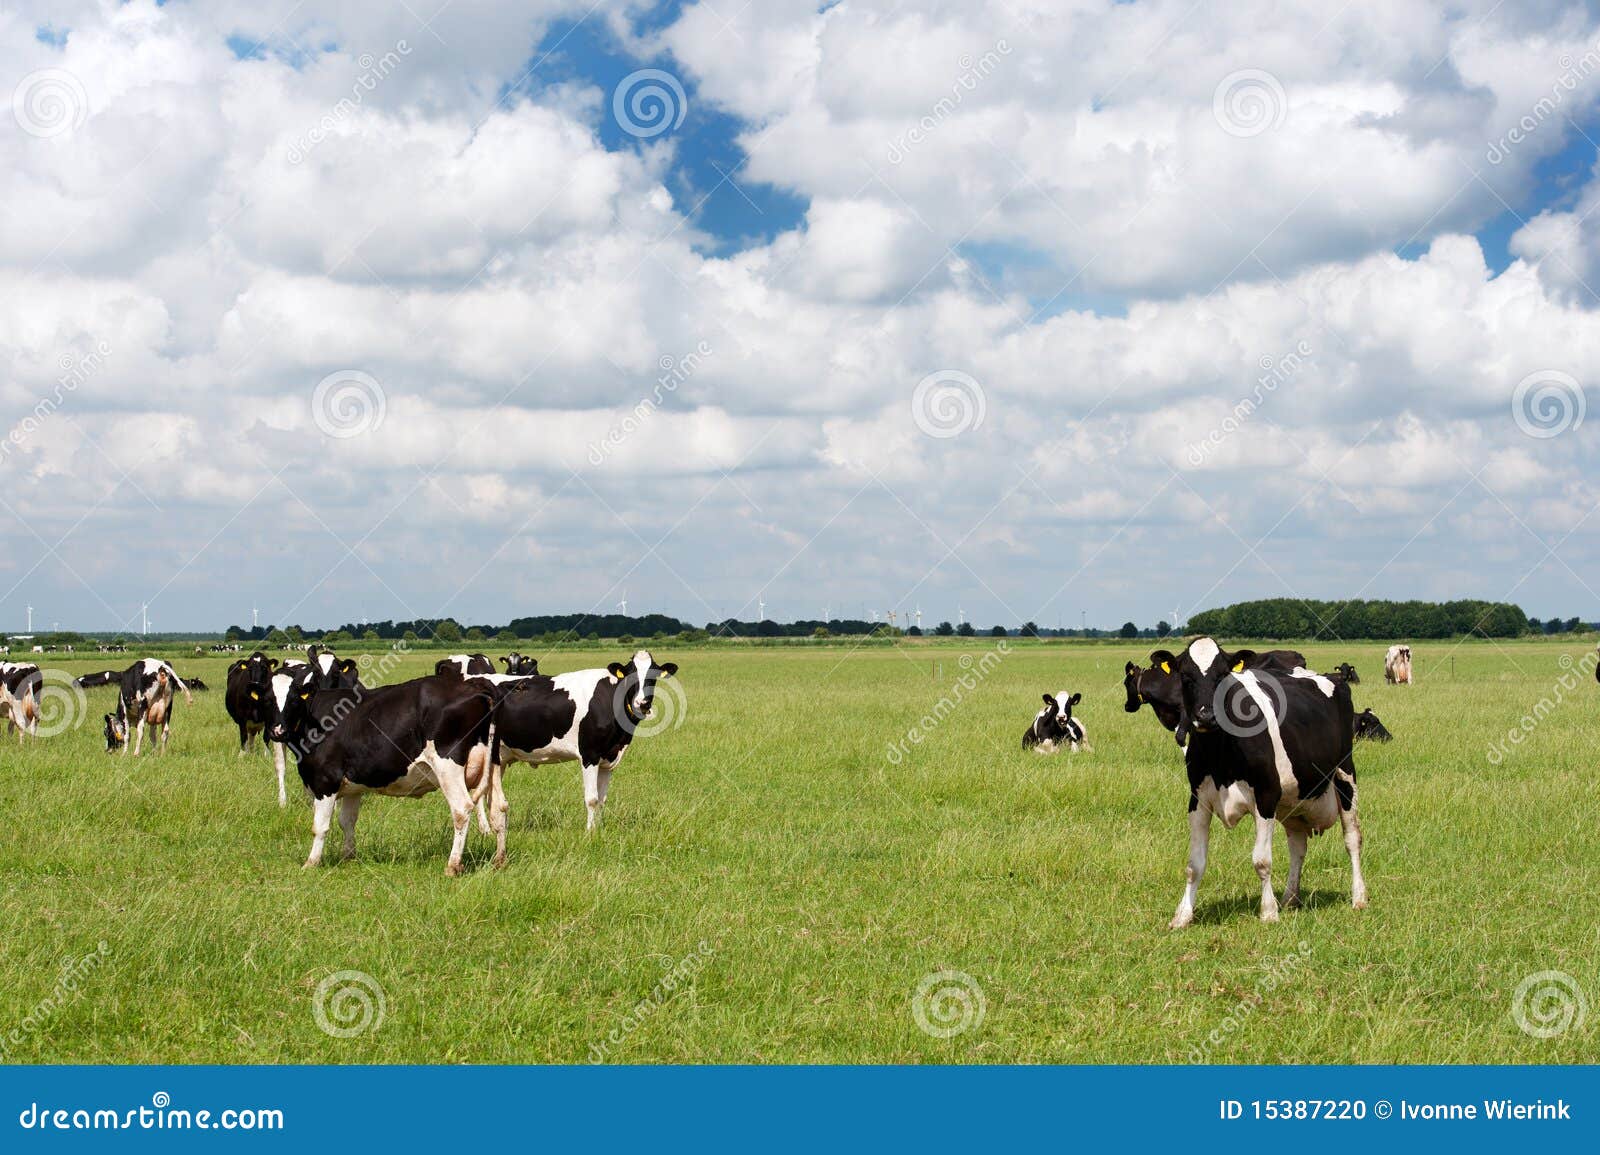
{"x": 1166, "y": 667}
{"x": 255, "y": 695}
{"x": 1239, "y": 665}
{"x": 306, "y": 695}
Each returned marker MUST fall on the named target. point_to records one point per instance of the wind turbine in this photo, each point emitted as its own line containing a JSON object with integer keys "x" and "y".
{"x": 144, "y": 619}
{"x": 255, "y": 618}
{"x": 961, "y": 616}
{"x": 623, "y": 604}
{"x": 30, "y": 619}
{"x": 919, "y": 615}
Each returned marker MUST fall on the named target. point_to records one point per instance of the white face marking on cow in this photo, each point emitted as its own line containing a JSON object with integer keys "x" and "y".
{"x": 1063, "y": 705}
{"x": 1204, "y": 651}
{"x": 325, "y": 663}
{"x": 1323, "y": 684}
{"x": 641, "y": 668}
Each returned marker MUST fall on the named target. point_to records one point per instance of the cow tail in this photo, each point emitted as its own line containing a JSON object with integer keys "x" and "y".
{"x": 492, "y": 741}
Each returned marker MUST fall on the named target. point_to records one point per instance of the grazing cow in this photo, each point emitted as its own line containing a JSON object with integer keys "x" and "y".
{"x": 145, "y": 698}
{"x": 1272, "y": 746}
{"x": 330, "y": 672}
{"x": 405, "y": 741}
{"x": 585, "y": 716}
{"x": 1397, "y": 665}
{"x": 1054, "y": 726}
{"x": 463, "y": 665}
{"x": 1367, "y": 726}
{"x": 520, "y": 664}
{"x": 1346, "y": 671}
{"x": 249, "y": 697}
{"x": 21, "y": 685}
{"x": 98, "y": 678}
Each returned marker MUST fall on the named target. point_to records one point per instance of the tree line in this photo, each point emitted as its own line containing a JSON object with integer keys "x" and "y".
{"x": 1334, "y": 620}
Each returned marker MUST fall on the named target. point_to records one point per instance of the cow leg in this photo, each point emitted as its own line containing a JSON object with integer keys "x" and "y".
{"x": 349, "y": 811}
{"x": 321, "y": 819}
{"x": 498, "y": 807}
{"x": 244, "y": 739}
{"x": 277, "y": 761}
{"x": 1261, "y": 857}
{"x": 452, "y": 778}
{"x": 1199, "y": 843}
{"x": 592, "y": 799}
{"x": 1298, "y": 838}
{"x": 1351, "y": 823}
{"x": 138, "y": 737}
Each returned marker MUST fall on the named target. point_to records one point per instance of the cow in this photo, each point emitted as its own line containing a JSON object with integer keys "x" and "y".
{"x": 21, "y": 687}
{"x": 98, "y": 678}
{"x": 1158, "y": 685}
{"x": 195, "y": 684}
{"x": 330, "y": 673}
{"x": 520, "y": 664}
{"x": 1054, "y": 727}
{"x": 1272, "y": 745}
{"x": 405, "y": 740}
{"x": 1367, "y": 726}
{"x": 463, "y": 665}
{"x": 1397, "y": 666}
{"x": 585, "y": 716}
{"x": 249, "y": 697}
{"x": 144, "y": 698}
{"x": 1346, "y": 671}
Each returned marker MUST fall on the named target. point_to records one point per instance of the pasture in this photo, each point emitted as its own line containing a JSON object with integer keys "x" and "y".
{"x": 824, "y": 879}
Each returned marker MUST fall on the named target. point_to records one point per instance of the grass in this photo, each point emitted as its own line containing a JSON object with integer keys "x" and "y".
{"x": 824, "y": 880}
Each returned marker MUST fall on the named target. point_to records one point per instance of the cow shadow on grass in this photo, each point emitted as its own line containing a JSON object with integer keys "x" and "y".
{"x": 1235, "y": 907}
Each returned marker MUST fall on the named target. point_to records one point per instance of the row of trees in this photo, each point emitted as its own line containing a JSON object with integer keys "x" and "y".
{"x": 1331, "y": 620}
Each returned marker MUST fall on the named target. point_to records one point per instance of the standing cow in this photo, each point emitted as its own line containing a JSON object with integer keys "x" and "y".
{"x": 145, "y": 698}
{"x": 249, "y": 696}
{"x": 1397, "y": 666}
{"x": 21, "y": 684}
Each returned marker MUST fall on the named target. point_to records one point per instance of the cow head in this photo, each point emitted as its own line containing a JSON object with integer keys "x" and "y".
{"x": 293, "y": 719}
{"x": 116, "y": 732}
{"x": 1157, "y": 685}
{"x": 1367, "y": 726}
{"x": 1057, "y": 713}
{"x": 520, "y": 664}
{"x": 636, "y": 686}
{"x": 1221, "y": 690}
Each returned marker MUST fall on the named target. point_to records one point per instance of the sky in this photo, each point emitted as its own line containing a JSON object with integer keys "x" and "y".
{"x": 1019, "y": 311}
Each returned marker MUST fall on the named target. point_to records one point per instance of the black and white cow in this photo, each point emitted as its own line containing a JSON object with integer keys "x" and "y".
{"x": 330, "y": 673}
{"x": 291, "y": 678}
{"x": 1346, "y": 671}
{"x": 586, "y": 716}
{"x": 520, "y": 664}
{"x": 21, "y": 686}
{"x": 1397, "y": 665}
{"x": 463, "y": 665}
{"x": 405, "y": 741}
{"x": 1274, "y": 745}
{"x": 145, "y": 698}
{"x": 249, "y": 697}
{"x": 1158, "y": 686}
{"x": 1055, "y": 728}
{"x": 98, "y": 678}
{"x": 1368, "y": 727}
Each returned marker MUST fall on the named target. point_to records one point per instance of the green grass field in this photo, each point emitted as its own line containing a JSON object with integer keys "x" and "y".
{"x": 771, "y": 887}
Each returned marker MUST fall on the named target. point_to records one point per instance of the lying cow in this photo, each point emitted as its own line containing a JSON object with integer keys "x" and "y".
{"x": 405, "y": 741}
{"x": 145, "y": 698}
{"x": 1054, "y": 727}
{"x": 1369, "y": 728}
{"x": 586, "y": 716}
{"x": 463, "y": 665}
{"x": 98, "y": 678}
{"x": 1346, "y": 671}
{"x": 519, "y": 664}
{"x": 1397, "y": 666}
{"x": 21, "y": 686}
{"x": 1275, "y": 746}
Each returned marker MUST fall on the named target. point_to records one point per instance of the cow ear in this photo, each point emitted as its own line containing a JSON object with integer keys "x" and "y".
{"x": 617, "y": 670}
{"x": 1241, "y": 659}
{"x": 272, "y": 662}
{"x": 1049, "y": 699}
{"x": 1130, "y": 669}
{"x": 1075, "y": 699}
{"x": 1163, "y": 659}
{"x": 349, "y": 666}
{"x": 668, "y": 669}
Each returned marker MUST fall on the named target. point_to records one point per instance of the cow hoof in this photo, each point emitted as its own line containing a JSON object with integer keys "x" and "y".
{"x": 454, "y": 870}
{"x": 1269, "y": 916}
{"x": 1359, "y": 903}
{"x": 499, "y": 862}
{"x": 1291, "y": 902}
{"x": 1179, "y": 921}
{"x": 311, "y": 864}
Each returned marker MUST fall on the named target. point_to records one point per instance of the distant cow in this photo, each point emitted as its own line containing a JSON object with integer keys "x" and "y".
{"x": 21, "y": 685}
{"x": 98, "y": 678}
{"x": 1368, "y": 727}
{"x": 464, "y": 665}
{"x": 1348, "y": 672}
{"x": 249, "y": 697}
{"x": 1397, "y": 665}
{"x": 1054, "y": 726}
{"x": 145, "y": 698}
{"x": 519, "y": 664}
{"x": 584, "y": 716}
